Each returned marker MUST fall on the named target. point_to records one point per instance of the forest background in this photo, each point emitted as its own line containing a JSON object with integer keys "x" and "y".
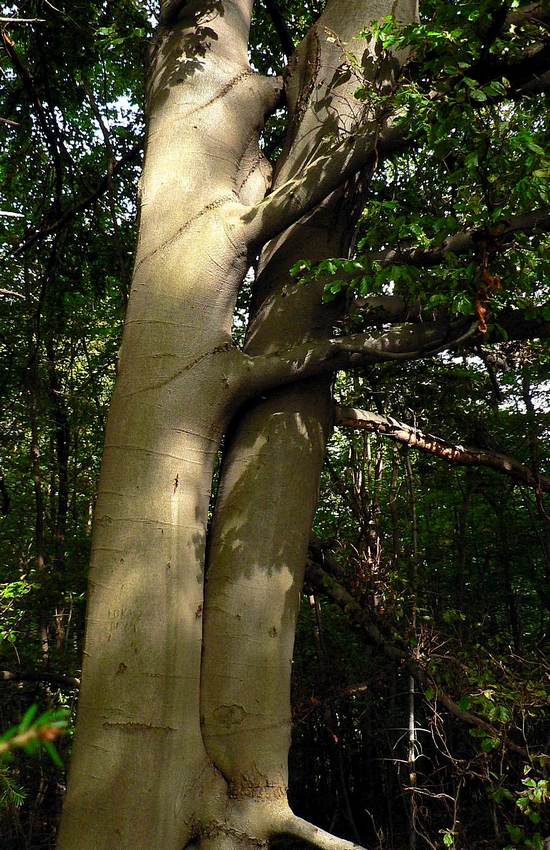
{"x": 418, "y": 684}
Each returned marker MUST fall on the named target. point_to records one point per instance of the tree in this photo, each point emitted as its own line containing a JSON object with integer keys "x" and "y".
{"x": 184, "y": 716}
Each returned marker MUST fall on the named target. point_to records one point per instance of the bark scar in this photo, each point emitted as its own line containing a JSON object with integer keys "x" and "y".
{"x": 132, "y": 726}
{"x": 219, "y": 202}
{"x": 219, "y": 349}
{"x": 224, "y": 90}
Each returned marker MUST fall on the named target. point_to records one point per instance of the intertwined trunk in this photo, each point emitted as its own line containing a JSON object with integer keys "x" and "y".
{"x": 184, "y": 716}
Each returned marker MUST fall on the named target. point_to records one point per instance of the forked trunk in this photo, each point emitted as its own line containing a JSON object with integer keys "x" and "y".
{"x": 270, "y": 478}
{"x": 166, "y": 756}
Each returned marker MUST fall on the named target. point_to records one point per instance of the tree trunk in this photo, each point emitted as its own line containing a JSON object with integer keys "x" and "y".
{"x": 168, "y": 756}
{"x": 270, "y": 479}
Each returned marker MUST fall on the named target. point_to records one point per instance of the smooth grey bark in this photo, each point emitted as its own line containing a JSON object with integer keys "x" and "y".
{"x": 168, "y": 755}
{"x": 270, "y": 478}
{"x": 140, "y": 772}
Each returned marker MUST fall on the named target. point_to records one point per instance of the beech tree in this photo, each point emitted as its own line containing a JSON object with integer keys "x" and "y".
{"x": 184, "y": 711}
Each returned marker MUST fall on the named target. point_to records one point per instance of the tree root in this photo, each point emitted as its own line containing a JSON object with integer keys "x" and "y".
{"x": 252, "y": 824}
{"x": 296, "y": 827}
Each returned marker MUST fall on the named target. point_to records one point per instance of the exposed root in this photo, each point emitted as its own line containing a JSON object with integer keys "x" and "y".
{"x": 248, "y": 824}
{"x": 296, "y": 827}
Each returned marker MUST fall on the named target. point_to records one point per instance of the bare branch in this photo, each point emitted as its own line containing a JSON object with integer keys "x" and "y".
{"x": 281, "y": 27}
{"x": 9, "y": 293}
{"x": 69, "y": 214}
{"x": 22, "y": 20}
{"x": 37, "y": 676}
{"x": 407, "y": 342}
{"x": 538, "y": 13}
{"x": 386, "y": 426}
{"x": 392, "y": 648}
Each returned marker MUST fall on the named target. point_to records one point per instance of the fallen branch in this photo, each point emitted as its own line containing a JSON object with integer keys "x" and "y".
{"x": 387, "y": 426}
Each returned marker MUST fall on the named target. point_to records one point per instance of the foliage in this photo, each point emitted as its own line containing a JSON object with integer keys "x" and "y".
{"x": 34, "y": 732}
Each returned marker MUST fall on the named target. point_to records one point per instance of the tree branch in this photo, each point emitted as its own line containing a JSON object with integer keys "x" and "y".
{"x": 538, "y": 13}
{"x": 169, "y": 11}
{"x": 281, "y": 27}
{"x": 36, "y": 676}
{"x": 386, "y": 426}
{"x": 460, "y": 243}
{"x": 8, "y": 20}
{"x": 9, "y": 293}
{"x": 534, "y": 63}
{"x": 518, "y": 325}
{"x": 499, "y": 234}
{"x": 407, "y": 342}
{"x": 333, "y": 165}
{"x": 330, "y": 587}
{"x": 337, "y": 161}
{"x": 81, "y": 205}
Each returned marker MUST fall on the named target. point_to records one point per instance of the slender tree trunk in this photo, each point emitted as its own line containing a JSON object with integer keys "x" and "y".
{"x": 33, "y": 348}
{"x": 413, "y": 585}
{"x": 62, "y": 444}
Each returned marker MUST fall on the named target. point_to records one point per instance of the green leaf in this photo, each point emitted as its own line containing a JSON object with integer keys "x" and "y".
{"x": 53, "y": 754}
{"x": 28, "y": 718}
{"x": 490, "y": 744}
{"x": 515, "y": 833}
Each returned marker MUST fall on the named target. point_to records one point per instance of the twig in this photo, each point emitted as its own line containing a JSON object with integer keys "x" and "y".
{"x": 9, "y": 293}
{"x": 23, "y": 20}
